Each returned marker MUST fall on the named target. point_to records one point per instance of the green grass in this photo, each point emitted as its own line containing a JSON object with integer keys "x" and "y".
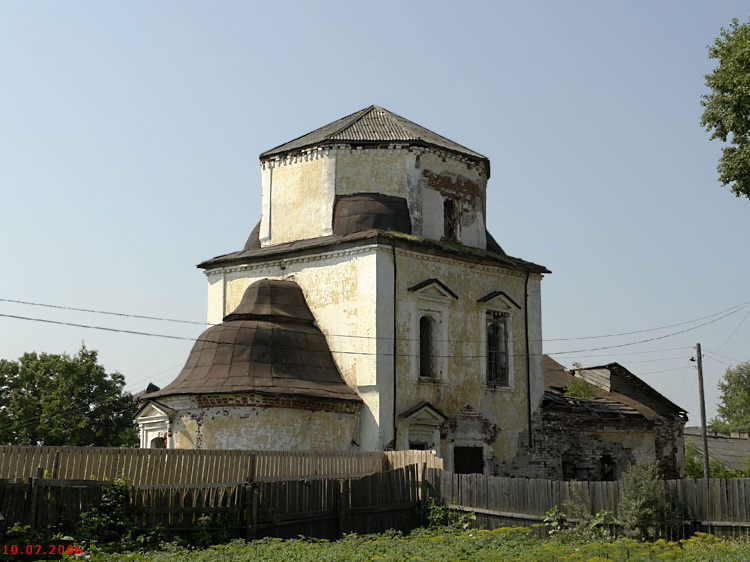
{"x": 506, "y": 544}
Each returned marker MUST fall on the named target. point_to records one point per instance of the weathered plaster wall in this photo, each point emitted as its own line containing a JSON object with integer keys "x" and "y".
{"x": 341, "y": 288}
{"x": 298, "y": 192}
{"x": 348, "y": 289}
{"x": 479, "y": 415}
{"x": 247, "y": 421}
{"x": 372, "y": 170}
{"x": 295, "y": 199}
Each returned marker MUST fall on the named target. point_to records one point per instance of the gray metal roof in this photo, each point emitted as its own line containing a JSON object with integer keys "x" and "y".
{"x": 734, "y": 452}
{"x": 373, "y": 125}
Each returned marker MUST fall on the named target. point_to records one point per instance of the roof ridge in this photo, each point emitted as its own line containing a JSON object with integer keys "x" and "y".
{"x": 360, "y": 114}
{"x": 318, "y": 129}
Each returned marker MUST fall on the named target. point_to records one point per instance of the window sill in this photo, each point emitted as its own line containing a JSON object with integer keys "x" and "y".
{"x": 498, "y": 388}
{"x": 425, "y": 380}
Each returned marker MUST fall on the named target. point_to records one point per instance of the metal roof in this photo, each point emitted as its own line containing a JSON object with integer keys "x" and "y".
{"x": 268, "y": 345}
{"x": 373, "y": 125}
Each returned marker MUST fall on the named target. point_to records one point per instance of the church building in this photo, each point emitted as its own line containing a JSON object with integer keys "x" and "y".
{"x": 369, "y": 310}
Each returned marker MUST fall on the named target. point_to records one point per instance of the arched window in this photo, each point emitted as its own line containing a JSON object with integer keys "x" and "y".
{"x": 426, "y": 347}
{"x": 158, "y": 443}
{"x": 497, "y": 349}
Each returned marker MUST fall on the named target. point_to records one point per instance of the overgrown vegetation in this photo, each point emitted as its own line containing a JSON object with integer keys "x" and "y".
{"x": 506, "y": 544}
{"x": 577, "y": 385}
{"x": 645, "y": 512}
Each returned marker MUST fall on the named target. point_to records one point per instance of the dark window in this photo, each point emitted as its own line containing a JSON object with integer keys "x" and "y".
{"x": 608, "y": 469}
{"x": 418, "y": 445}
{"x": 450, "y": 220}
{"x": 426, "y": 344}
{"x": 468, "y": 460}
{"x": 158, "y": 443}
{"x": 497, "y": 349}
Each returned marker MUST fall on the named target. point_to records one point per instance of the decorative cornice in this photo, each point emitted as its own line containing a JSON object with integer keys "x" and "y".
{"x": 320, "y": 256}
{"x": 317, "y": 152}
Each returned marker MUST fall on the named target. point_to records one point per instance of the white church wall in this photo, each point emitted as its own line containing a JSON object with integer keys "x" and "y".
{"x": 460, "y": 389}
{"x": 246, "y": 421}
{"x": 341, "y": 288}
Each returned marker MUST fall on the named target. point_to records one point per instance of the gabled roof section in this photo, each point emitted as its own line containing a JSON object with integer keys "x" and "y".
{"x": 443, "y": 289}
{"x": 158, "y": 408}
{"x": 373, "y": 125}
{"x": 502, "y": 295}
{"x": 628, "y": 395}
{"x": 424, "y": 411}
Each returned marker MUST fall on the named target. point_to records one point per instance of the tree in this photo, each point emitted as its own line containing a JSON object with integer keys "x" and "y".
{"x": 727, "y": 107}
{"x": 734, "y": 402}
{"x": 48, "y": 399}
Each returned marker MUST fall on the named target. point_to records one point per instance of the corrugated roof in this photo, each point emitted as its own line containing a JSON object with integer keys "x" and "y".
{"x": 373, "y": 124}
{"x": 734, "y": 452}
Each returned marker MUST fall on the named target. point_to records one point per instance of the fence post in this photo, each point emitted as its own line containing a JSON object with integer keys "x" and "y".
{"x": 251, "y": 525}
{"x": 423, "y": 483}
{"x": 343, "y": 506}
{"x": 34, "y": 497}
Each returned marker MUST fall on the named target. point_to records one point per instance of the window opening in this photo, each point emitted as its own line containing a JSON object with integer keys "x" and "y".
{"x": 450, "y": 220}
{"x": 497, "y": 349}
{"x": 468, "y": 460}
{"x": 426, "y": 344}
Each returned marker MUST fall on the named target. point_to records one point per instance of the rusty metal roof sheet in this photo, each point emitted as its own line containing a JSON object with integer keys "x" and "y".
{"x": 373, "y": 125}
{"x": 269, "y": 345}
{"x": 368, "y": 211}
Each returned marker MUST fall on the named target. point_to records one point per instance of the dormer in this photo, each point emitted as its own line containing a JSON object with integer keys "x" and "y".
{"x": 373, "y": 170}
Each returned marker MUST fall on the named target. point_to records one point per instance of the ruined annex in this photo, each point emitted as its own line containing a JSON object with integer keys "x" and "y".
{"x": 369, "y": 310}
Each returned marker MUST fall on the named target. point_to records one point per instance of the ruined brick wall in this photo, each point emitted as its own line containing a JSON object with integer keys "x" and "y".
{"x": 571, "y": 445}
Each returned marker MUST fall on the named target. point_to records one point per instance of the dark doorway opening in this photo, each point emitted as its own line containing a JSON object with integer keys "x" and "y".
{"x": 468, "y": 460}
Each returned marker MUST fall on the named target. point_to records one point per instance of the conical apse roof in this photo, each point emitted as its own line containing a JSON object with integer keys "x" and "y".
{"x": 270, "y": 345}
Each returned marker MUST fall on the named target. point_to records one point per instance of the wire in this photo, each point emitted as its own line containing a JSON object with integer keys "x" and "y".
{"x": 157, "y": 318}
{"x": 59, "y": 307}
{"x": 735, "y": 331}
{"x": 151, "y": 334}
{"x": 722, "y": 355}
{"x": 651, "y": 339}
{"x": 739, "y": 306}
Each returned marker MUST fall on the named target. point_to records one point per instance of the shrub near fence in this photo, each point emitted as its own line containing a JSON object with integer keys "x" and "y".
{"x": 719, "y": 506}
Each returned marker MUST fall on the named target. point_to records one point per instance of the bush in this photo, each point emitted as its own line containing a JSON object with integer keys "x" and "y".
{"x": 644, "y": 510}
{"x": 109, "y": 521}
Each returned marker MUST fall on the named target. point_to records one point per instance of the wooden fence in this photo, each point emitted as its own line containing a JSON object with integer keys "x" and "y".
{"x": 717, "y": 505}
{"x": 145, "y": 467}
{"x": 325, "y": 508}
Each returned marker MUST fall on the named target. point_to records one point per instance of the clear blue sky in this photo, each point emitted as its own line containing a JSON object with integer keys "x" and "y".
{"x": 130, "y": 134}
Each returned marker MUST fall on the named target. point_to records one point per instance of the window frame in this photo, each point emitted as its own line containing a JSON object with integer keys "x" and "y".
{"x": 427, "y": 320}
{"x": 497, "y": 363}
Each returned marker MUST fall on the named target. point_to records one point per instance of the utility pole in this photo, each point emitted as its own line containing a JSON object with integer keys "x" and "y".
{"x": 699, "y": 360}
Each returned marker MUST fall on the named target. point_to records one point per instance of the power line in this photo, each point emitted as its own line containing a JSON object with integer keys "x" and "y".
{"x": 739, "y": 306}
{"x": 59, "y": 307}
{"x": 151, "y": 334}
{"x": 355, "y": 336}
{"x": 650, "y": 339}
{"x": 735, "y": 330}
